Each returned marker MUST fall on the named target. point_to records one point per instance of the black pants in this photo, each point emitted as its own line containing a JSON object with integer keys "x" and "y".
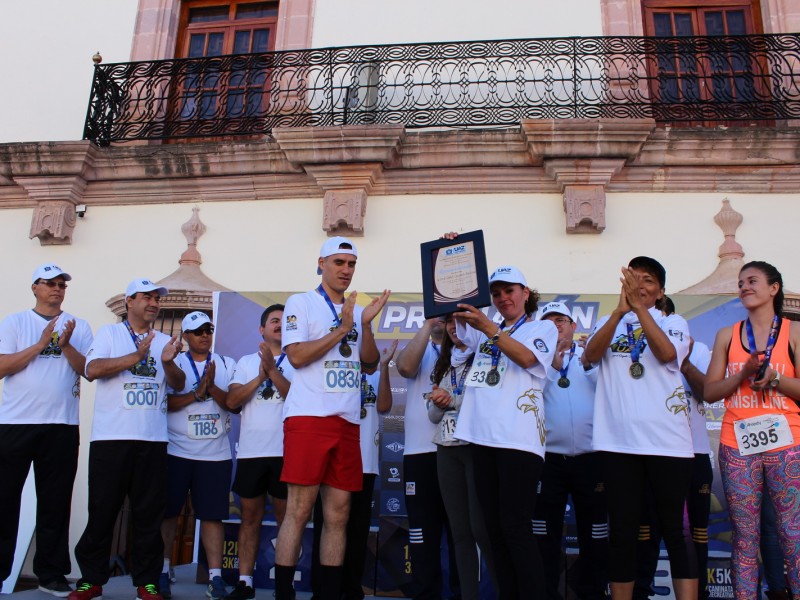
{"x": 506, "y": 482}
{"x": 580, "y": 477}
{"x": 356, "y": 549}
{"x": 627, "y": 477}
{"x": 117, "y": 469}
{"x": 426, "y": 522}
{"x": 698, "y": 508}
{"x": 53, "y": 451}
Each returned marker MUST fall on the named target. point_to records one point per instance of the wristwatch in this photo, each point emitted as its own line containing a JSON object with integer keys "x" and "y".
{"x": 775, "y": 380}
{"x": 496, "y": 336}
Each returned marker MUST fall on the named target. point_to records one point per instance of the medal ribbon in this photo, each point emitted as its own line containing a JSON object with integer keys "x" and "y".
{"x": 329, "y": 302}
{"x": 197, "y": 375}
{"x": 495, "y": 350}
{"x": 458, "y": 389}
{"x": 268, "y": 382}
{"x": 563, "y": 370}
{"x": 135, "y": 339}
{"x": 773, "y": 337}
{"x": 634, "y": 344}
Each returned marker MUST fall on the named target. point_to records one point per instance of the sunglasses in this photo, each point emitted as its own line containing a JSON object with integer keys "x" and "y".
{"x": 52, "y": 284}
{"x": 202, "y": 331}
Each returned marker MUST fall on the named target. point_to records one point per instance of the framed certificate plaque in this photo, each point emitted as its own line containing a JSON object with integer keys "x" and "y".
{"x": 454, "y": 272}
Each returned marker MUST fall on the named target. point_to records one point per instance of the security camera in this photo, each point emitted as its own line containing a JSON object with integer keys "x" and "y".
{"x": 80, "y": 210}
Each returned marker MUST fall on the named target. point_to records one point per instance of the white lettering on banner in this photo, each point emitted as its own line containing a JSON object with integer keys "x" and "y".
{"x": 585, "y": 320}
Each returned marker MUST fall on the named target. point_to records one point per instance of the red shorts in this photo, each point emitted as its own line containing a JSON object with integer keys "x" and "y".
{"x": 322, "y": 450}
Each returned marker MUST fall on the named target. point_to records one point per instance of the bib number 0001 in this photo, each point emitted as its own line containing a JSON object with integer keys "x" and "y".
{"x": 140, "y": 396}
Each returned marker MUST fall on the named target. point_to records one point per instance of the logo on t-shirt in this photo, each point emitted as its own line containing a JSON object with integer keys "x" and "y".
{"x": 291, "y": 322}
{"x": 53, "y": 350}
{"x": 146, "y": 369}
{"x": 621, "y": 345}
{"x": 678, "y": 402}
{"x": 531, "y": 401}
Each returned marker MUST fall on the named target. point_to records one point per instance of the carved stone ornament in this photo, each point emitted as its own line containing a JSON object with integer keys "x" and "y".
{"x": 53, "y": 222}
{"x": 343, "y": 212}
{"x": 585, "y": 207}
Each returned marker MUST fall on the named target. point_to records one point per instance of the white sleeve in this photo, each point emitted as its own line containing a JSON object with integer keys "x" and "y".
{"x": 101, "y": 346}
{"x": 294, "y": 328}
{"x": 542, "y": 341}
{"x": 239, "y": 375}
{"x": 677, "y": 330}
{"x": 82, "y": 336}
{"x": 8, "y": 336}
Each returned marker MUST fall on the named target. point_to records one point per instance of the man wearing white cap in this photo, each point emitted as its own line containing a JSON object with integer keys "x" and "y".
{"x": 133, "y": 365}
{"x": 329, "y": 342}
{"x": 259, "y": 386}
{"x": 571, "y": 468}
{"x": 198, "y": 453}
{"x": 41, "y": 359}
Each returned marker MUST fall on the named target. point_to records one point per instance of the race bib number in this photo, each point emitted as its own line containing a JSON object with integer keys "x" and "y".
{"x": 762, "y": 433}
{"x": 479, "y": 375}
{"x": 447, "y": 426}
{"x": 204, "y": 427}
{"x": 140, "y": 396}
{"x": 342, "y": 376}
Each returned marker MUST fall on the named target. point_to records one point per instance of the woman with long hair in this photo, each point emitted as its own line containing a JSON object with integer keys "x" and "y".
{"x": 502, "y": 415}
{"x": 754, "y": 368}
{"x": 455, "y": 462}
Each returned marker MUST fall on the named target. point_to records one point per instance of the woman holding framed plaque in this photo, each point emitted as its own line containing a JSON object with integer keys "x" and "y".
{"x": 754, "y": 368}
{"x": 502, "y": 415}
{"x": 641, "y": 425}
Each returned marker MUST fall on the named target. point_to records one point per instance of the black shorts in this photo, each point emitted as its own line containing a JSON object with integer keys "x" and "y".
{"x": 209, "y": 482}
{"x": 258, "y": 476}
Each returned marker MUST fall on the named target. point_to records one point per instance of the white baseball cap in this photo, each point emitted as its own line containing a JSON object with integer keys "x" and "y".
{"x": 508, "y": 274}
{"x": 334, "y": 246}
{"x": 554, "y": 308}
{"x": 195, "y": 320}
{"x": 49, "y": 271}
{"x": 144, "y": 285}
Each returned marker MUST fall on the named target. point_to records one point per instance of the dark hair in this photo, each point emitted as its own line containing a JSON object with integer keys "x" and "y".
{"x": 269, "y": 309}
{"x": 665, "y": 305}
{"x": 773, "y": 276}
{"x": 532, "y": 303}
{"x": 443, "y": 360}
{"x": 651, "y": 266}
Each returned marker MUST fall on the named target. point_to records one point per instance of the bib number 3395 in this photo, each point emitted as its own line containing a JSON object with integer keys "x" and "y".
{"x": 762, "y": 433}
{"x": 342, "y": 375}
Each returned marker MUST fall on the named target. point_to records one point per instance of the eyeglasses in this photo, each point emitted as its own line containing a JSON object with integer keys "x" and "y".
{"x": 562, "y": 320}
{"x": 52, "y": 284}
{"x": 202, "y": 331}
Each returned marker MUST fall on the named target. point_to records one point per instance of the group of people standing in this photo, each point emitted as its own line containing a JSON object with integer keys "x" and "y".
{"x": 503, "y": 421}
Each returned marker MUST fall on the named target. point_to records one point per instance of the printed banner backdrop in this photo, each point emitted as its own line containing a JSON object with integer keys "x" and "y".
{"x": 237, "y": 318}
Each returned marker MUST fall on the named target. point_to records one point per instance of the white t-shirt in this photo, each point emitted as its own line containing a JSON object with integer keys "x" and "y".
{"x": 129, "y": 406}
{"x": 47, "y": 390}
{"x": 199, "y": 431}
{"x": 570, "y": 410}
{"x": 419, "y": 430}
{"x": 330, "y": 386}
{"x": 648, "y": 415}
{"x": 261, "y": 429}
{"x": 510, "y": 414}
{"x": 369, "y": 425}
{"x": 700, "y": 358}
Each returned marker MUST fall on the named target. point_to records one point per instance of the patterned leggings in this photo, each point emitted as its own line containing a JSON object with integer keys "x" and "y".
{"x": 744, "y": 479}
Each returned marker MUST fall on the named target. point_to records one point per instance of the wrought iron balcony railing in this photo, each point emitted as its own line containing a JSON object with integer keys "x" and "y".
{"x": 491, "y": 83}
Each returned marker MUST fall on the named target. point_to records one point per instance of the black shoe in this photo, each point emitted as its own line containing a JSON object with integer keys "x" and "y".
{"x": 57, "y": 587}
{"x": 242, "y": 591}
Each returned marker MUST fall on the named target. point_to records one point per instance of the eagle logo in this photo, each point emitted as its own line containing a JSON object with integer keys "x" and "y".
{"x": 531, "y": 401}
{"x": 678, "y": 402}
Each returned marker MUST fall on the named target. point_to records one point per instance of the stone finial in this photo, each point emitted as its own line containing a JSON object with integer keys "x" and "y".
{"x": 97, "y": 58}
{"x": 192, "y": 230}
{"x": 729, "y": 220}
